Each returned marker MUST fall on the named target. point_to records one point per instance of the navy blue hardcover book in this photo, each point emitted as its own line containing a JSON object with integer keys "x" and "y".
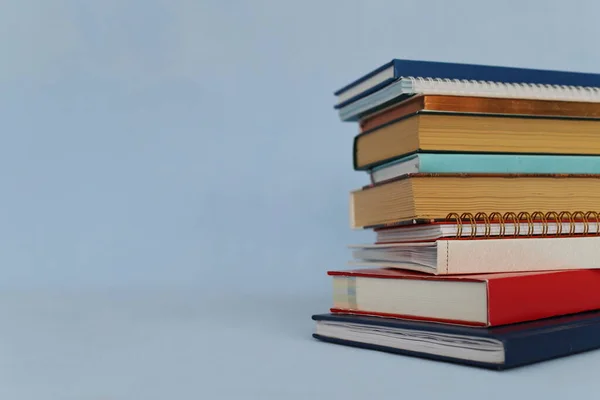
{"x": 501, "y": 347}
{"x": 397, "y": 68}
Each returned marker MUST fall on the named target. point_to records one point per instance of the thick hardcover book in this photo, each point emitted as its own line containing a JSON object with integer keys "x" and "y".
{"x": 474, "y": 163}
{"x": 475, "y": 299}
{"x": 479, "y": 105}
{"x": 497, "y": 348}
{"x": 398, "y": 68}
{"x": 427, "y": 197}
{"x": 480, "y": 134}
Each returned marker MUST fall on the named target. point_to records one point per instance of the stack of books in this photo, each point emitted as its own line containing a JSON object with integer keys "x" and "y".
{"x": 484, "y": 198}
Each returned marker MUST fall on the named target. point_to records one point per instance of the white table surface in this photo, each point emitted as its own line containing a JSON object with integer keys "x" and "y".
{"x": 169, "y": 344}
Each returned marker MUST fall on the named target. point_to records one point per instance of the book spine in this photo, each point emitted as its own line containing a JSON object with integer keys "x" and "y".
{"x": 354, "y": 152}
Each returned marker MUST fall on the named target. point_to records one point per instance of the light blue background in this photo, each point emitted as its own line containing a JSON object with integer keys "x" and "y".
{"x": 175, "y": 185}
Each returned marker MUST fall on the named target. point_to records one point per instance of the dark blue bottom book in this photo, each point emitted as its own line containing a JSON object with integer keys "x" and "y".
{"x": 501, "y": 347}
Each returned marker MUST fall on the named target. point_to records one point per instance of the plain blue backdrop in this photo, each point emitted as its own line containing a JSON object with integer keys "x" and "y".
{"x": 194, "y": 142}
{"x": 175, "y": 186}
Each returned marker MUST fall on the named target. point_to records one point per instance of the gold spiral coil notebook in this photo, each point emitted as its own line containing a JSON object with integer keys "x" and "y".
{"x": 543, "y": 221}
{"x": 497, "y": 225}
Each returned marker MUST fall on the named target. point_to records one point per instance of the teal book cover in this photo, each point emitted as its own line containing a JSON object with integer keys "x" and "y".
{"x": 486, "y": 163}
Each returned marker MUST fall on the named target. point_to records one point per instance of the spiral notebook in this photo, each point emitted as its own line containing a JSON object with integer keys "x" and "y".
{"x": 445, "y": 71}
{"x": 405, "y": 78}
{"x": 495, "y": 225}
{"x": 490, "y": 243}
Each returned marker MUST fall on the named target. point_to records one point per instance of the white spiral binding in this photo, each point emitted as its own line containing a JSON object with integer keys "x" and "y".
{"x": 463, "y": 87}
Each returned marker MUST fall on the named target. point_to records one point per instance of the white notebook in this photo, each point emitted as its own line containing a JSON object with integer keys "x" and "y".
{"x": 407, "y": 86}
{"x": 443, "y": 257}
{"x": 479, "y": 229}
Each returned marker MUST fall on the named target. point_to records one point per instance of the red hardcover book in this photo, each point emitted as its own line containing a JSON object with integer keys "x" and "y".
{"x": 477, "y": 300}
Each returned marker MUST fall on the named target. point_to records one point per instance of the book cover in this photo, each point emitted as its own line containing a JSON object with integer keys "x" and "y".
{"x": 510, "y": 297}
{"x": 462, "y": 71}
{"x": 474, "y": 163}
{"x": 497, "y": 348}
